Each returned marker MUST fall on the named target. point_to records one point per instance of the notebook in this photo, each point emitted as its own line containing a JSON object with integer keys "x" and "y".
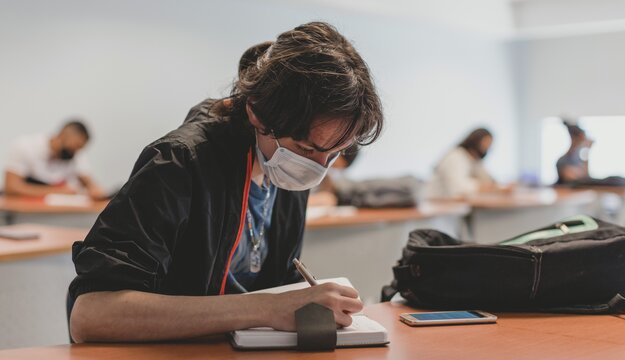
{"x": 362, "y": 332}
{"x": 76, "y": 200}
{"x": 316, "y": 212}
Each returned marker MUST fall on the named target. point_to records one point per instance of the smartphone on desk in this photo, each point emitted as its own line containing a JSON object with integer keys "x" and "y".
{"x": 447, "y": 318}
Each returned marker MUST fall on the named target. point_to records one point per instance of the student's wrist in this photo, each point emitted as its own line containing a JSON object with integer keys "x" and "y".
{"x": 262, "y": 309}
{"x": 277, "y": 311}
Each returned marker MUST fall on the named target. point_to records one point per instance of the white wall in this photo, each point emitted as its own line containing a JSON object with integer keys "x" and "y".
{"x": 134, "y": 68}
{"x": 547, "y": 13}
{"x": 581, "y": 75}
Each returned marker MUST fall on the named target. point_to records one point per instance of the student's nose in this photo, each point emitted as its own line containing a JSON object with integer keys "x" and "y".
{"x": 322, "y": 158}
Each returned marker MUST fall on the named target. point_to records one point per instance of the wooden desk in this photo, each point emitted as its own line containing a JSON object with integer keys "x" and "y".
{"x": 515, "y": 336}
{"x": 618, "y": 190}
{"x": 426, "y": 210}
{"x": 34, "y": 276}
{"x": 52, "y": 240}
{"x": 365, "y": 245}
{"x": 35, "y": 210}
{"x": 498, "y": 216}
{"x": 527, "y": 198}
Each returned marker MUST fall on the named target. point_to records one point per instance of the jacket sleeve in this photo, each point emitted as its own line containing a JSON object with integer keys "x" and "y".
{"x": 130, "y": 245}
{"x": 293, "y": 275}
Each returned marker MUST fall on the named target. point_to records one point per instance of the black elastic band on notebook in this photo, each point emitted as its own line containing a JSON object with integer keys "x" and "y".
{"x": 316, "y": 328}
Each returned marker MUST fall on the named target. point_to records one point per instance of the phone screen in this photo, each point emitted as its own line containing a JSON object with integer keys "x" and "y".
{"x": 448, "y": 315}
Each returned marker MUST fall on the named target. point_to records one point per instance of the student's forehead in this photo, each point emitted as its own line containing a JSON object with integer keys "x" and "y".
{"x": 327, "y": 132}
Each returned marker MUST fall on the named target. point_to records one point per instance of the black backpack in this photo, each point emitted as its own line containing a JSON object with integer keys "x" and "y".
{"x": 576, "y": 266}
{"x": 399, "y": 192}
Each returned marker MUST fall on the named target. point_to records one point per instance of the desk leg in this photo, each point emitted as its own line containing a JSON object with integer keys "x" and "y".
{"x": 620, "y": 216}
{"x": 467, "y": 229}
{"x": 8, "y": 218}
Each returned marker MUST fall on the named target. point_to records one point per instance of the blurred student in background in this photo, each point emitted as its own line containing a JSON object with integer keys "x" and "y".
{"x": 461, "y": 172}
{"x": 39, "y": 164}
{"x": 573, "y": 166}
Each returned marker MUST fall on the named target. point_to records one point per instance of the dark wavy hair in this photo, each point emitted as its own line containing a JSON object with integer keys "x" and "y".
{"x": 309, "y": 75}
{"x": 472, "y": 142}
{"x": 251, "y": 55}
{"x": 79, "y": 126}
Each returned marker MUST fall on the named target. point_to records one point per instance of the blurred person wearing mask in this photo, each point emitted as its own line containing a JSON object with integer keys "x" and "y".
{"x": 39, "y": 164}
{"x": 461, "y": 171}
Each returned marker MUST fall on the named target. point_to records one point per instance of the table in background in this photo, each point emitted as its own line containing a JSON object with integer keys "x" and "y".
{"x": 17, "y": 210}
{"x": 498, "y": 216}
{"x": 364, "y": 246}
{"x": 34, "y": 276}
{"x": 515, "y": 336}
{"x": 610, "y": 202}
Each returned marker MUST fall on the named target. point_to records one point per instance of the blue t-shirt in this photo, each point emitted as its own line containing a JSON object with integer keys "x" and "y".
{"x": 240, "y": 265}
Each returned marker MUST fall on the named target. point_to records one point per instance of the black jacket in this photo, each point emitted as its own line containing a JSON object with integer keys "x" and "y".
{"x": 175, "y": 224}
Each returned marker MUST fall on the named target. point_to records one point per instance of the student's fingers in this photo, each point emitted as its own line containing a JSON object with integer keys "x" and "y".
{"x": 342, "y": 304}
{"x": 339, "y": 289}
{"x": 351, "y": 305}
{"x": 347, "y": 291}
{"x": 342, "y": 319}
{"x": 332, "y": 296}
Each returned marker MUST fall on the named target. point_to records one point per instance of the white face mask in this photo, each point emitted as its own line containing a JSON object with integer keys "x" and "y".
{"x": 290, "y": 171}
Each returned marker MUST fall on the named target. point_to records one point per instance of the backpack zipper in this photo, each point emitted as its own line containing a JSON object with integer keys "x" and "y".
{"x": 538, "y": 257}
{"x": 512, "y": 249}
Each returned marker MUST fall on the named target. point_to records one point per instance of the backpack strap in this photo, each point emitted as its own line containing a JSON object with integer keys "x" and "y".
{"x": 388, "y": 291}
{"x": 404, "y": 274}
{"x": 616, "y": 305}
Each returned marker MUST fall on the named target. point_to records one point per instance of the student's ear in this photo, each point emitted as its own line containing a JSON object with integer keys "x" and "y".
{"x": 254, "y": 120}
